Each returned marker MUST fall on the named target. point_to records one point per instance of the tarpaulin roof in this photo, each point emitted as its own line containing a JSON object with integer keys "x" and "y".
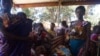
{"x": 32, "y": 1}
{"x": 38, "y": 3}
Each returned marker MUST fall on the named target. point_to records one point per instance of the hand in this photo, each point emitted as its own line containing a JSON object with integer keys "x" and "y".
{"x": 32, "y": 35}
{"x": 5, "y": 19}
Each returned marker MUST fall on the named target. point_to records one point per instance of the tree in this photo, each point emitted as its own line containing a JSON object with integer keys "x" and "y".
{"x": 51, "y": 13}
{"x": 27, "y": 11}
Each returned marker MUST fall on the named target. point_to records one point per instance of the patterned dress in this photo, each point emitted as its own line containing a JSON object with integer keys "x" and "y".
{"x": 78, "y": 36}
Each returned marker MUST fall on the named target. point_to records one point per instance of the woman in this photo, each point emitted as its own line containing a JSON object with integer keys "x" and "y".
{"x": 94, "y": 41}
{"x": 22, "y": 27}
{"x": 79, "y": 31}
{"x": 42, "y": 40}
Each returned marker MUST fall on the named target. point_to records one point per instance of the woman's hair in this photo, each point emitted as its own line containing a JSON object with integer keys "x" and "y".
{"x": 81, "y": 8}
{"x": 22, "y": 15}
{"x": 41, "y": 27}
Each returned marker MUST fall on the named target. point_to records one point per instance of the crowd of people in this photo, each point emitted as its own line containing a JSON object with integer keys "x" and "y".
{"x": 19, "y": 37}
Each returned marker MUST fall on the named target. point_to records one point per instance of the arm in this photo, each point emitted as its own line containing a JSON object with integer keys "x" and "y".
{"x": 13, "y": 37}
{"x": 87, "y": 30}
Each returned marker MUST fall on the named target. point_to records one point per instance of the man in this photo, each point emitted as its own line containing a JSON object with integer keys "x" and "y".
{"x": 52, "y": 30}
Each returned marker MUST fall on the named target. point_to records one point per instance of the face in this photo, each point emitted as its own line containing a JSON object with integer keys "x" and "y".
{"x": 52, "y": 25}
{"x": 40, "y": 28}
{"x": 79, "y": 13}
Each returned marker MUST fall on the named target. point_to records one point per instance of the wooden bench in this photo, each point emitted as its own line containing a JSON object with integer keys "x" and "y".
{"x": 56, "y": 42}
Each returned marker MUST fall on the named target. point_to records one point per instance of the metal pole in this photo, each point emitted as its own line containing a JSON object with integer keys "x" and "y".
{"x": 1, "y": 2}
{"x": 7, "y": 5}
{"x": 2, "y": 8}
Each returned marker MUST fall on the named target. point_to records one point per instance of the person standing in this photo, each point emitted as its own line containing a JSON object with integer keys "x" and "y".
{"x": 79, "y": 31}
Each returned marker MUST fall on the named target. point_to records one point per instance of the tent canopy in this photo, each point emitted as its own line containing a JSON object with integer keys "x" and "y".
{"x": 39, "y": 3}
{"x": 32, "y": 1}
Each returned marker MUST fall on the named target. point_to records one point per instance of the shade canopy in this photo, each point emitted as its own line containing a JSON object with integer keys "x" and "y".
{"x": 39, "y": 3}
{"x": 32, "y": 1}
